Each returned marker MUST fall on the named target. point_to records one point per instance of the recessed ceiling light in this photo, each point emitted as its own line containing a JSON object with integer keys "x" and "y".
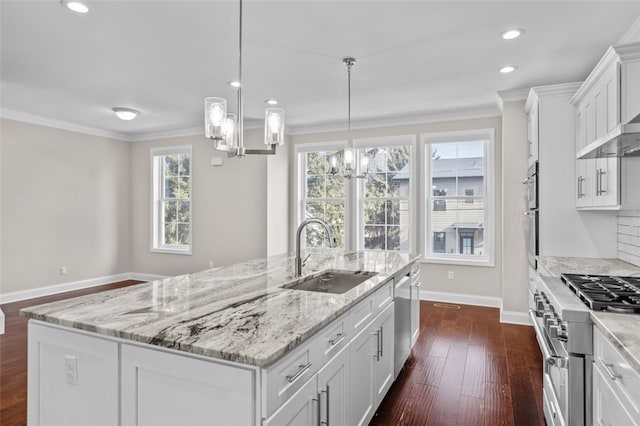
{"x": 74, "y": 5}
{"x": 508, "y": 68}
{"x": 233, "y": 83}
{"x": 271, "y": 102}
{"x": 126, "y": 114}
{"x": 511, "y": 34}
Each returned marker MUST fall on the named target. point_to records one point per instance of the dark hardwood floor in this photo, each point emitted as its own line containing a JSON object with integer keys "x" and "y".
{"x": 466, "y": 369}
{"x": 13, "y": 353}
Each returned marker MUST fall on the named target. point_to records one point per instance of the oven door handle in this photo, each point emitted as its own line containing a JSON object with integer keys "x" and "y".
{"x": 550, "y": 357}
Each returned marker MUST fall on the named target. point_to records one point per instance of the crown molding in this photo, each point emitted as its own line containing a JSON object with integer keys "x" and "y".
{"x": 513, "y": 95}
{"x": 482, "y": 111}
{"x": 564, "y": 89}
{"x": 24, "y": 117}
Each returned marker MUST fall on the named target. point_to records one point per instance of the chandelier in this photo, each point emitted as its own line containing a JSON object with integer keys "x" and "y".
{"x": 350, "y": 169}
{"x": 226, "y": 130}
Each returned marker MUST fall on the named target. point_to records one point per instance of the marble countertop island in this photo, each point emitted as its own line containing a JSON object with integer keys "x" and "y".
{"x": 623, "y": 330}
{"x": 238, "y": 313}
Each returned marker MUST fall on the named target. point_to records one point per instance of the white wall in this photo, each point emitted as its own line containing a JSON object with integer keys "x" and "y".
{"x": 229, "y": 210}
{"x": 480, "y": 281}
{"x": 65, "y": 202}
{"x": 278, "y": 189}
{"x": 514, "y": 202}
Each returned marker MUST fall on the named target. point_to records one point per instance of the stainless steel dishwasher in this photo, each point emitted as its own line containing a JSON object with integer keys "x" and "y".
{"x": 402, "y": 322}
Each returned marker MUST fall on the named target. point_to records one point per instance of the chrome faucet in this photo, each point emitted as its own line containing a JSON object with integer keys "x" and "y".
{"x": 327, "y": 228}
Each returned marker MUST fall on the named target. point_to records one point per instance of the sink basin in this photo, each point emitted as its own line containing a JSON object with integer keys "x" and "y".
{"x": 332, "y": 281}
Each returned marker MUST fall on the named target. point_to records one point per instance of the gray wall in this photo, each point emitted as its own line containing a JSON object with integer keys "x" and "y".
{"x": 278, "y": 180}
{"x": 65, "y": 202}
{"x": 514, "y": 196}
{"x": 469, "y": 280}
{"x": 228, "y": 210}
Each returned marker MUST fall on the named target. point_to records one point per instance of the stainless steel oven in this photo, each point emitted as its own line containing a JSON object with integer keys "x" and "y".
{"x": 532, "y": 213}
{"x": 563, "y": 330}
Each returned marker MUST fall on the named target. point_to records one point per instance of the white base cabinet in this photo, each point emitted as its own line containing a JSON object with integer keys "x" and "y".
{"x": 415, "y": 304}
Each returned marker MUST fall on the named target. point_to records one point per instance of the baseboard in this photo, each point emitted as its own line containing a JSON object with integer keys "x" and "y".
{"x": 465, "y": 299}
{"x": 511, "y": 317}
{"x": 75, "y": 285}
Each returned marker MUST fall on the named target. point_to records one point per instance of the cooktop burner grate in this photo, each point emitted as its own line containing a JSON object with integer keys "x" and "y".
{"x": 606, "y": 293}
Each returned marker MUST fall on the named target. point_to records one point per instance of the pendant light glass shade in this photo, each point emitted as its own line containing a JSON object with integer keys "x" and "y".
{"x": 348, "y": 158}
{"x": 229, "y": 130}
{"x": 215, "y": 114}
{"x": 274, "y": 126}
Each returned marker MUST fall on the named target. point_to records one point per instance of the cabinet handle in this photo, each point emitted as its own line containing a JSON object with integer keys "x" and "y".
{"x": 326, "y": 391}
{"x": 609, "y": 369}
{"x": 318, "y": 409}
{"x": 303, "y": 369}
{"x": 602, "y": 173}
{"x": 338, "y": 338}
{"x": 580, "y": 181}
{"x": 381, "y": 342}
{"x": 597, "y": 182}
{"x": 377, "y": 354}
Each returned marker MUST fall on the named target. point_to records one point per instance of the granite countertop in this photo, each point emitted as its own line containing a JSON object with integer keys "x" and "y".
{"x": 554, "y": 266}
{"x": 238, "y": 313}
{"x": 623, "y": 330}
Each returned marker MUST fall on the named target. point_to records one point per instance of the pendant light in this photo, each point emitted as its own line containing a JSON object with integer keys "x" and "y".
{"x": 350, "y": 160}
{"x": 226, "y": 130}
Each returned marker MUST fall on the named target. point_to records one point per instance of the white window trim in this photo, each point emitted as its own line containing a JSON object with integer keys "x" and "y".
{"x": 426, "y": 236}
{"x": 154, "y": 213}
{"x": 353, "y": 211}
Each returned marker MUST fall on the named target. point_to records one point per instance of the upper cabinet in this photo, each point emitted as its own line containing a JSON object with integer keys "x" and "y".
{"x": 607, "y": 100}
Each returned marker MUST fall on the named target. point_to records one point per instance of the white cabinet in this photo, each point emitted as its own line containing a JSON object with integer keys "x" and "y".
{"x": 616, "y": 385}
{"x": 300, "y": 410}
{"x": 610, "y": 96}
{"x": 334, "y": 390}
{"x": 371, "y": 353}
{"x": 161, "y": 388}
{"x": 73, "y": 378}
{"x": 415, "y": 304}
{"x": 533, "y": 134}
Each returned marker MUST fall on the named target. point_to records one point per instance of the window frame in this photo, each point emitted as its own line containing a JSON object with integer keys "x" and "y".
{"x": 156, "y": 186}
{"x": 354, "y": 189}
{"x": 427, "y": 198}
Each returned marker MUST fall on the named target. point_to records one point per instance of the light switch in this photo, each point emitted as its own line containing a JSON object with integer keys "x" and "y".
{"x": 71, "y": 369}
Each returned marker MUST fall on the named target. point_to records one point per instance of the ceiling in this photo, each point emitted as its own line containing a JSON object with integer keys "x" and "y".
{"x": 414, "y": 58}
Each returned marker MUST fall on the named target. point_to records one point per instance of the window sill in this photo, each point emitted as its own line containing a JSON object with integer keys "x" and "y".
{"x": 458, "y": 261}
{"x": 184, "y": 252}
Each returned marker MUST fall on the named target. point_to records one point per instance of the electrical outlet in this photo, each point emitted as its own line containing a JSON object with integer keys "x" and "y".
{"x": 71, "y": 369}
{"x": 450, "y": 275}
{"x": 63, "y": 270}
{"x": 210, "y": 264}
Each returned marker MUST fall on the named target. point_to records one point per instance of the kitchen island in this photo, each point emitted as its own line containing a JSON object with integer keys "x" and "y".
{"x": 222, "y": 346}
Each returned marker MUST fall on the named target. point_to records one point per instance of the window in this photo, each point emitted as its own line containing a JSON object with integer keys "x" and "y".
{"x": 386, "y": 198}
{"x": 373, "y": 213}
{"x": 323, "y": 197}
{"x": 171, "y": 208}
{"x": 458, "y": 220}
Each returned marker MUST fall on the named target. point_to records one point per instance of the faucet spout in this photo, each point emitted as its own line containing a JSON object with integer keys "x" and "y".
{"x": 327, "y": 229}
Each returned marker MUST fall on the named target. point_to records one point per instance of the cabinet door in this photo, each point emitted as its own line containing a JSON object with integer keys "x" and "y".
{"x": 333, "y": 390}
{"x": 611, "y": 90}
{"x": 533, "y": 133}
{"x": 162, "y": 388}
{"x": 589, "y": 117}
{"x": 606, "y": 182}
{"x": 299, "y": 410}
{"x": 600, "y": 111}
{"x": 384, "y": 365}
{"x": 73, "y": 378}
{"x": 608, "y": 410}
{"x": 362, "y": 353}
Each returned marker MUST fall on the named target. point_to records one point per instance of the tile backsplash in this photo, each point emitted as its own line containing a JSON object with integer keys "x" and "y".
{"x": 629, "y": 236}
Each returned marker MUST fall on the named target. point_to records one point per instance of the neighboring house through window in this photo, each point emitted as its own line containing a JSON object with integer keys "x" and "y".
{"x": 458, "y": 219}
{"x": 171, "y": 203}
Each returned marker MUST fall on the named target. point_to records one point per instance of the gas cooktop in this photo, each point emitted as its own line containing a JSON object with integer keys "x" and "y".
{"x": 606, "y": 293}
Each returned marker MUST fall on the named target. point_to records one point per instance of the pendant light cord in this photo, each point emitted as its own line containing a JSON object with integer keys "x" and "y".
{"x": 240, "y": 110}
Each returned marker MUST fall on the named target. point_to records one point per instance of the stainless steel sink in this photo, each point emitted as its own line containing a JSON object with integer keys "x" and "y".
{"x": 332, "y": 281}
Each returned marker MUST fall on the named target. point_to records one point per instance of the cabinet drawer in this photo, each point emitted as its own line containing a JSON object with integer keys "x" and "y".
{"x": 621, "y": 376}
{"x": 608, "y": 410}
{"x": 364, "y": 312}
{"x": 282, "y": 379}
{"x": 332, "y": 339}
